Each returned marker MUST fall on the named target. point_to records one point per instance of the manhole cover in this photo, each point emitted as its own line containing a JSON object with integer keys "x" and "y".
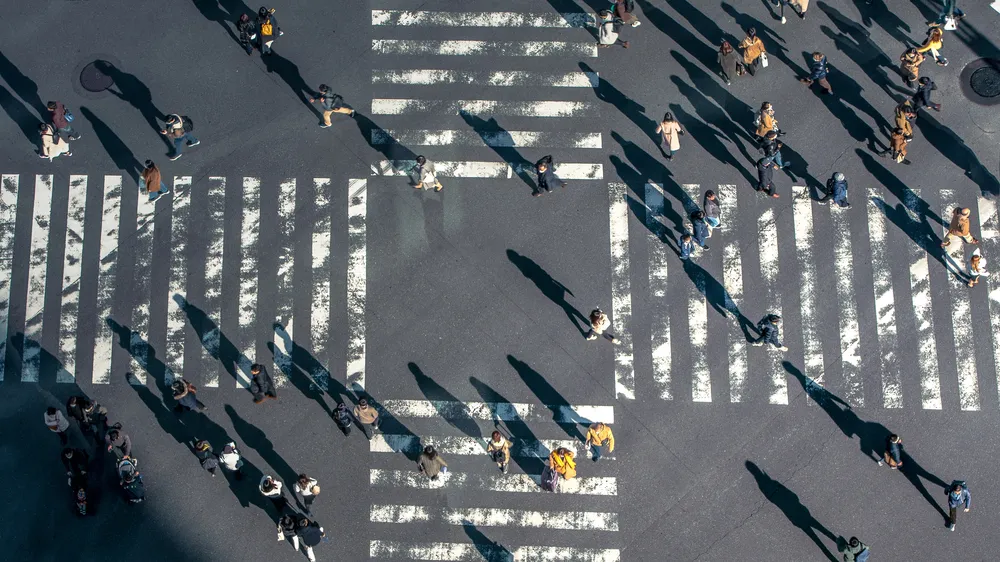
{"x": 94, "y": 79}
{"x": 980, "y": 81}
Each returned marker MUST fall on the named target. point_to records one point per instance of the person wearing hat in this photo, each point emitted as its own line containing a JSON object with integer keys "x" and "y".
{"x": 271, "y": 488}
{"x": 368, "y": 418}
{"x": 261, "y": 384}
{"x": 342, "y": 417}
{"x": 306, "y": 489}
{"x": 836, "y": 187}
{"x": 152, "y": 181}
{"x": 174, "y": 130}
{"x": 959, "y": 227}
{"x": 203, "y": 450}
{"x": 230, "y": 460}
{"x": 311, "y": 534}
{"x": 267, "y": 30}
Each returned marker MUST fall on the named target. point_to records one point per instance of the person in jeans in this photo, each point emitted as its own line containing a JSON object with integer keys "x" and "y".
{"x": 367, "y": 417}
{"x": 685, "y": 246}
{"x": 57, "y": 423}
{"x": 836, "y": 187}
{"x": 60, "y": 121}
{"x": 713, "y": 213}
{"x": 267, "y": 30}
{"x": 959, "y": 227}
{"x": 248, "y": 33}
{"x": 152, "y": 180}
{"x": 922, "y": 97}
{"x": 599, "y": 435}
{"x": 599, "y": 324}
{"x": 934, "y": 43}
{"x": 771, "y": 147}
{"x": 174, "y": 130}
{"x": 700, "y": 227}
{"x": 958, "y": 495}
{"x": 854, "y": 549}
{"x": 332, "y": 103}
{"x": 765, "y": 176}
{"x": 768, "y": 328}
{"x": 499, "y": 450}
{"x": 306, "y": 489}
{"x": 893, "y": 454}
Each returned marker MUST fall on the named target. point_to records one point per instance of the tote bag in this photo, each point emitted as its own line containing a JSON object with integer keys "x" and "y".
{"x": 763, "y": 60}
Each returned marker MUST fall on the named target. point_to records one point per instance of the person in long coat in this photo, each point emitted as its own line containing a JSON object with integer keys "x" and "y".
{"x": 670, "y": 131}
{"x": 729, "y": 62}
{"x": 53, "y": 145}
{"x": 753, "y": 48}
{"x": 153, "y": 181}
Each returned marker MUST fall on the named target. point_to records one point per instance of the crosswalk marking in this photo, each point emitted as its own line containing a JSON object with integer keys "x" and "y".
{"x": 767, "y": 233}
{"x": 411, "y": 444}
{"x": 920, "y": 292}
{"x": 322, "y": 269}
{"x": 493, "y": 78}
{"x": 697, "y": 313}
{"x": 659, "y": 256}
{"x": 494, "y": 170}
{"x": 177, "y": 320}
{"x": 802, "y": 216}
{"x": 357, "y": 280}
{"x": 495, "y": 139}
{"x": 214, "y": 266}
{"x": 989, "y": 233}
{"x": 621, "y": 292}
{"x": 496, "y": 517}
{"x": 961, "y": 314}
{"x": 284, "y": 323}
{"x": 404, "y": 18}
{"x": 108, "y": 273}
{"x": 250, "y": 233}
{"x": 412, "y": 47}
{"x": 850, "y": 333}
{"x": 72, "y": 266}
{"x": 732, "y": 282}
{"x": 386, "y": 106}
{"x": 464, "y": 552}
{"x": 499, "y": 411}
{"x": 37, "y": 266}
{"x": 520, "y": 483}
{"x": 139, "y": 340}
{"x": 885, "y": 304}
{"x": 8, "y": 219}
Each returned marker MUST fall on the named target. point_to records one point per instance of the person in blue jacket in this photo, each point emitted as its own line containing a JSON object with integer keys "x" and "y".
{"x": 958, "y": 495}
{"x": 817, "y": 73}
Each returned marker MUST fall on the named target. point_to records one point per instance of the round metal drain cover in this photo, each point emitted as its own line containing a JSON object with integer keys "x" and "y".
{"x": 980, "y": 81}
{"x": 94, "y": 79}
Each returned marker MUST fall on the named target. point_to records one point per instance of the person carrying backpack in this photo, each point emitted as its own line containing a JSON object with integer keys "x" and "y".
{"x": 267, "y": 30}
{"x": 178, "y": 129}
{"x": 856, "y": 551}
{"x": 958, "y": 495}
{"x": 332, "y": 103}
{"x": 768, "y": 329}
{"x": 623, "y": 10}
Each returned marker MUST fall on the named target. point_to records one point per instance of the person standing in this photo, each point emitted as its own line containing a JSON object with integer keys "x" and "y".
{"x": 60, "y": 118}
{"x": 231, "y": 460}
{"x": 203, "y": 450}
{"x": 623, "y": 11}
{"x": 178, "y": 129}
{"x": 764, "y": 121}
{"x": 700, "y": 228}
{"x": 922, "y": 97}
{"x": 713, "y": 212}
{"x": 818, "y": 71}
{"x": 959, "y": 227}
{"x": 306, "y": 489}
{"x": 498, "y": 448}
{"x": 958, "y": 495}
{"x": 76, "y": 461}
{"x": 547, "y": 177}
{"x": 670, "y": 131}
{"x": 753, "y": 50}
{"x": 311, "y": 534}
{"x": 332, "y": 103}
{"x": 836, "y": 187}
{"x": 771, "y": 147}
{"x": 248, "y": 33}
{"x": 598, "y": 436}
{"x": 261, "y": 384}
{"x": 765, "y": 176}
{"x": 431, "y": 464}
{"x": 267, "y": 30}
{"x": 905, "y": 114}
{"x": 893, "y": 454}
{"x": 367, "y": 417}
{"x": 599, "y": 324}
{"x": 855, "y": 551}
{"x": 934, "y": 43}
{"x": 685, "y": 246}
{"x": 426, "y": 175}
{"x": 561, "y": 461}
{"x": 729, "y": 63}
{"x": 768, "y": 329}
{"x": 57, "y": 422}
{"x": 909, "y": 66}
{"x": 53, "y": 145}
{"x": 271, "y": 488}
{"x": 118, "y": 442}
{"x": 185, "y": 395}
{"x": 152, "y": 181}
{"x": 977, "y": 267}
{"x": 607, "y": 32}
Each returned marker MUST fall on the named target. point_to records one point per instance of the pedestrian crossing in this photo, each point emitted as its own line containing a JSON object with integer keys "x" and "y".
{"x": 185, "y": 234}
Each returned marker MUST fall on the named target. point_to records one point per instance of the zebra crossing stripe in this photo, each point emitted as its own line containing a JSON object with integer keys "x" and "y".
{"x": 283, "y": 324}
{"x": 37, "y": 265}
{"x": 385, "y": 106}
{"x": 8, "y": 219}
{"x": 76, "y": 210}
{"x": 496, "y": 78}
{"x": 177, "y": 320}
{"x": 498, "y": 411}
{"x": 732, "y": 282}
{"x": 250, "y": 234}
{"x": 701, "y": 384}
{"x": 322, "y": 269}
{"x": 405, "y": 18}
{"x": 961, "y": 314}
{"x": 466, "y": 552}
{"x": 496, "y": 517}
{"x": 211, "y": 339}
{"x": 885, "y": 304}
{"x": 108, "y": 272}
{"x": 802, "y": 217}
{"x": 920, "y": 292}
{"x": 139, "y": 341}
{"x": 621, "y": 292}
{"x": 850, "y": 333}
{"x": 466, "y": 446}
{"x": 520, "y": 483}
{"x": 492, "y": 170}
{"x": 989, "y": 233}
{"x": 659, "y": 256}
{"x": 357, "y": 281}
{"x": 411, "y": 47}
{"x": 767, "y": 234}
{"x": 495, "y": 139}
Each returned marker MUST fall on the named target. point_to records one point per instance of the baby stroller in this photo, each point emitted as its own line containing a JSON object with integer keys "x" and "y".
{"x": 131, "y": 480}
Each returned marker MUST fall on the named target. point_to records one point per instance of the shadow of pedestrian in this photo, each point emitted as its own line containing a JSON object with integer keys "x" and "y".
{"x": 953, "y": 147}
{"x": 547, "y": 395}
{"x": 554, "y": 290}
{"x": 645, "y": 168}
{"x": 258, "y": 441}
{"x": 213, "y": 11}
{"x": 135, "y": 92}
{"x": 436, "y": 393}
{"x": 772, "y": 41}
{"x": 24, "y": 87}
{"x": 529, "y": 465}
{"x": 630, "y": 108}
{"x": 490, "y": 550}
{"x": 219, "y": 346}
{"x": 396, "y": 435}
{"x": 705, "y": 135}
{"x": 379, "y": 139}
{"x": 716, "y": 295}
{"x": 846, "y": 90}
{"x": 855, "y": 42}
{"x": 916, "y": 474}
{"x": 700, "y": 50}
{"x": 289, "y": 74}
{"x": 18, "y": 112}
{"x": 120, "y": 154}
{"x": 299, "y": 378}
{"x": 504, "y": 145}
{"x": 876, "y": 11}
{"x": 313, "y": 371}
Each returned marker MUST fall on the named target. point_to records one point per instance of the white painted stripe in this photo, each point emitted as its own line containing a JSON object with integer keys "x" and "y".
{"x": 8, "y": 218}
{"x": 850, "y": 333}
{"x": 76, "y": 211}
{"x": 357, "y": 281}
{"x": 920, "y": 291}
{"x": 387, "y": 106}
{"x": 104, "y": 338}
{"x": 139, "y": 344}
{"x": 521, "y": 483}
{"x": 496, "y": 139}
{"x": 701, "y": 383}
{"x": 395, "y": 443}
{"x": 286, "y": 260}
{"x": 412, "y": 47}
{"x": 282, "y": 352}
{"x": 211, "y": 339}
{"x": 496, "y": 517}
{"x": 732, "y": 282}
{"x": 493, "y": 170}
{"x": 404, "y": 18}
{"x": 497, "y": 78}
{"x": 961, "y": 316}
{"x": 621, "y": 292}
{"x": 989, "y": 234}
{"x": 322, "y": 269}
{"x": 885, "y": 304}
{"x": 767, "y": 234}
{"x": 499, "y": 411}
{"x": 996, "y": 5}
{"x": 466, "y": 552}
{"x": 249, "y": 234}
{"x": 177, "y": 320}
{"x": 812, "y": 347}
{"x": 37, "y": 266}
{"x": 659, "y": 257}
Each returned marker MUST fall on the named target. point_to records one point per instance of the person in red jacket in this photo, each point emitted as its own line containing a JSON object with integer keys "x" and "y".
{"x": 60, "y": 120}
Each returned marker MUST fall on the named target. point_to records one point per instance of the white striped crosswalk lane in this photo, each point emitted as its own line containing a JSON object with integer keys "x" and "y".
{"x": 989, "y": 234}
{"x": 850, "y": 335}
{"x": 214, "y": 263}
{"x": 490, "y": 78}
{"x": 468, "y": 552}
{"x": 139, "y": 342}
{"x": 812, "y": 348}
{"x": 284, "y": 323}
{"x": 108, "y": 273}
{"x": 8, "y": 220}
{"x": 322, "y": 270}
{"x": 495, "y": 170}
{"x": 357, "y": 281}
{"x": 920, "y": 293}
{"x": 497, "y": 139}
{"x": 961, "y": 312}
{"x": 495, "y": 517}
{"x": 697, "y": 306}
{"x": 621, "y": 293}
{"x": 177, "y": 322}
{"x": 460, "y": 47}
{"x": 767, "y": 233}
{"x": 499, "y": 411}
{"x": 659, "y": 257}
{"x": 388, "y": 106}
{"x": 249, "y": 254}
{"x": 521, "y": 483}
{"x": 72, "y": 265}
{"x": 885, "y": 303}
{"x": 732, "y": 284}
{"x": 452, "y": 445}
{"x": 37, "y": 267}
{"x": 403, "y": 18}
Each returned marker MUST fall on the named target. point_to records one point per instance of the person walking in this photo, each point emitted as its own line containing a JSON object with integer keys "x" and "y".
{"x": 152, "y": 181}
{"x": 342, "y": 417}
{"x": 977, "y": 267}
{"x": 958, "y": 495}
{"x": 765, "y": 176}
{"x": 118, "y": 442}
{"x": 60, "y": 118}
{"x": 498, "y": 448}
{"x": 765, "y": 121}
{"x": 713, "y": 212}
{"x": 768, "y": 329}
{"x": 599, "y": 324}
{"x": 949, "y": 16}
{"x": 76, "y": 461}
{"x": 311, "y": 534}
{"x": 231, "y": 460}
{"x": 803, "y": 5}
{"x": 893, "y": 453}
{"x": 599, "y": 436}
{"x": 332, "y": 103}
{"x": 730, "y": 63}
{"x": 818, "y": 71}
{"x": 426, "y": 175}
{"x": 92, "y": 417}
{"x": 905, "y": 114}
{"x": 836, "y": 187}
{"x": 185, "y": 395}
{"x": 909, "y": 66}
{"x": 685, "y": 246}
{"x": 203, "y": 450}
{"x": 897, "y": 147}
{"x": 547, "y": 177}
{"x": 754, "y": 53}
{"x": 57, "y": 422}
{"x": 367, "y": 417}
{"x": 248, "y": 33}
{"x": 53, "y": 146}
{"x": 431, "y": 464}
{"x": 306, "y": 489}
{"x": 178, "y": 129}
{"x": 922, "y": 97}
{"x": 561, "y": 461}
{"x": 934, "y": 44}
{"x": 700, "y": 228}
{"x": 286, "y": 530}
{"x": 959, "y": 227}
{"x": 271, "y": 488}
{"x": 623, "y": 10}
{"x": 670, "y": 131}
{"x": 607, "y": 31}
{"x": 261, "y": 384}
{"x": 771, "y": 147}
{"x": 267, "y": 30}
{"x": 855, "y": 551}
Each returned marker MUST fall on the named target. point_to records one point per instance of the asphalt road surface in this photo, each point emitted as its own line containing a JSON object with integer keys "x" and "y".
{"x": 460, "y": 311}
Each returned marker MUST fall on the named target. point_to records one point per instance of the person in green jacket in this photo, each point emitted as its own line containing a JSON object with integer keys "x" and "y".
{"x": 855, "y": 551}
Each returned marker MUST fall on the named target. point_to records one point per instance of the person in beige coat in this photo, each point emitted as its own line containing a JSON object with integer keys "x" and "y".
{"x": 753, "y": 48}
{"x": 670, "y": 131}
{"x": 52, "y": 144}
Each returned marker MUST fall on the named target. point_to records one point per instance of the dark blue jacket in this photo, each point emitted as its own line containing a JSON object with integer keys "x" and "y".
{"x": 895, "y": 450}
{"x": 963, "y": 497}
{"x": 700, "y": 231}
{"x": 686, "y": 248}
{"x": 838, "y": 189}
{"x": 769, "y": 333}
{"x": 818, "y": 69}
{"x": 548, "y": 179}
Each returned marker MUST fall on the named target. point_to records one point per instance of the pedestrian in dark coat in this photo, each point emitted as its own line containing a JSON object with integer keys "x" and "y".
{"x": 836, "y": 187}
{"x": 893, "y": 454}
{"x": 818, "y": 71}
{"x": 700, "y": 228}
{"x": 547, "y": 177}
{"x": 771, "y": 147}
{"x": 342, "y": 417}
{"x": 685, "y": 246}
{"x": 261, "y": 384}
{"x": 730, "y": 62}
{"x": 184, "y": 394}
{"x": 922, "y": 97}
{"x": 76, "y": 461}
{"x": 60, "y": 120}
{"x": 92, "y": 417}
{"x": 311, "y": 534}
{"x": 854, "y": 549}
{"x": 118, "y": 441}
{"x": 286, "y": 530}
{"x": 248, "y": 33}
{"x": 367, "y": 417}
{"x": 431, "y": 464}
{"x": 267, "y": 30}
{"x": 768, "y": 329}
{"x": 623, "y": 11}
{"x": 203, "y": 450}
{"x": 765, "y": 176}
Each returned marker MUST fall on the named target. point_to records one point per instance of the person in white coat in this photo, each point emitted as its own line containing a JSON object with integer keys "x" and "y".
{"x": 57, "y": 422}
{"x": 52, "y": 144}
{"x": 271, "y": 488}
{"x": 230, "y": 460}
{"x": 977, "y": 267}
{"x": 606, "y": 34}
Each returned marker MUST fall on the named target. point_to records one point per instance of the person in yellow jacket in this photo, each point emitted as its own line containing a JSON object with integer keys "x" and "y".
{"x": 600, "y": 436}
{"x": 753, "y": 48}
{"x": 561, "y": 461}
{"x": 499, "y": 450}
{"x": 934, "y": 43}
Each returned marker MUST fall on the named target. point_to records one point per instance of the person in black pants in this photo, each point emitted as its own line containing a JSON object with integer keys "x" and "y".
{"x": 261, "y": 385}
{"x": 546, "y": 176}
{"x": 768, "y": 328}
{"x": 765, "y": 176}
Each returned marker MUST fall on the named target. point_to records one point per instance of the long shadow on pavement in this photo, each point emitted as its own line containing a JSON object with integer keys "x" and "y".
{"x": 435, "y": 393}
{"x": 529, "y": 465}
{"x": 554, "y": 290}
{"x": 546, "y": 394}
{"x": 137, "y": 94}
{"x": 120, "y": 154}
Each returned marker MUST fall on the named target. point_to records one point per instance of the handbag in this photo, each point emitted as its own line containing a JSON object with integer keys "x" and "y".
{"x": 763, "y": 60}
{"x": 68, "y": 115}
{"x": 950, "y": 24}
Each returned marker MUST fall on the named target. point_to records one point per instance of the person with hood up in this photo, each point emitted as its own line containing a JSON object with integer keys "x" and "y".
{"x": 607, "y": 32}
{"x": 248, "y": 33}
{"x": 53, "y": 146}
{"x": 261, "y": 384}
{"x": 730, "y": 63}
{"x": 267, "y": 30}
{"x": 231, "y": 460}
{"x": 818, "y": 71}
{"x": 753, "y": 50}
{"x": 57, "y": 423}
{"x": 431, "y": 464}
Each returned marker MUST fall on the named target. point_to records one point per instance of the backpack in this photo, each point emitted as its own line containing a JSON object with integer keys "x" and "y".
{"x": 630, "y": 6}
{"x": 187, "y": 124}
{"x": 616, "y": 25}
{"x": 337, "y": 101}
{"x": 863, "y": 555}
{"x": 550, "y": 479}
